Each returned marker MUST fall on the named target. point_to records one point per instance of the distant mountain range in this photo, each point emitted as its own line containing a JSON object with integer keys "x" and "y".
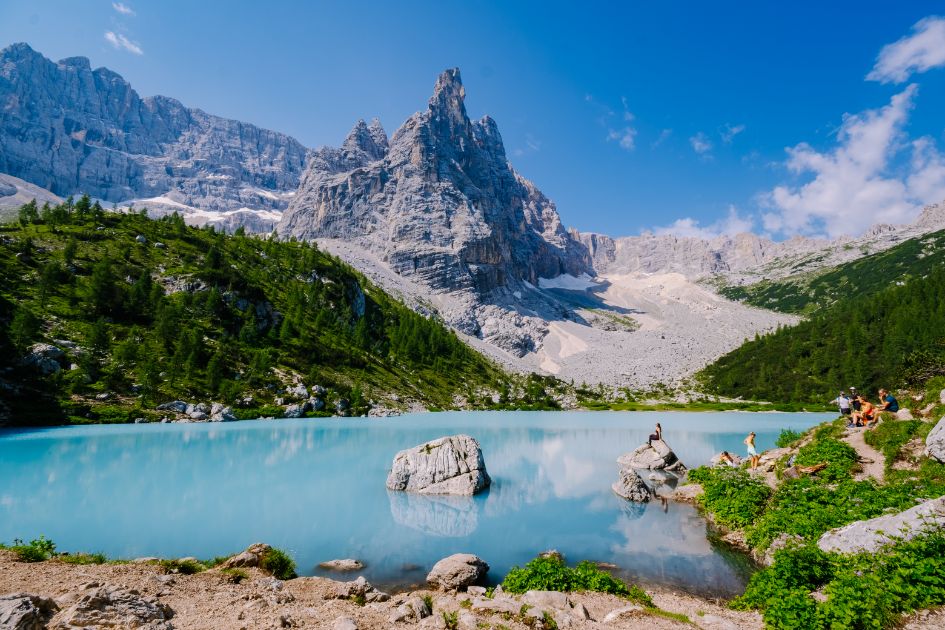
{"x": 435, "y": 213}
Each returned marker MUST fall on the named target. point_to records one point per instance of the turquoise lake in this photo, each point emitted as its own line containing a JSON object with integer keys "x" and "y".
{"x": 316, "y": 488}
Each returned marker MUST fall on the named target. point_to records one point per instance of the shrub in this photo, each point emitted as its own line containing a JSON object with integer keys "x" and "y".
{"x": 278, "y": 564}
{"x": 36, "y": 550}
{"x": 184, "y": 566}
{"x": 890, "y": 437}
{"x": 803, "y": 568}
{"x": 839, "y": 457}
{"x": 552, "y": 574}
{"x": 735, "y": 498}
{"x": 83, "y": 558}
{"x": 234, "y": 575}
{"x": 788, "y": 437}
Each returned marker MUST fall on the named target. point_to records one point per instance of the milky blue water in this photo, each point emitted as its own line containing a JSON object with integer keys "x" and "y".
{"x": 316, "y": 487}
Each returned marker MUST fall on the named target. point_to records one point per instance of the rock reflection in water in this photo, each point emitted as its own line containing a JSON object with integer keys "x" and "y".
{"x": 437, "y": 515}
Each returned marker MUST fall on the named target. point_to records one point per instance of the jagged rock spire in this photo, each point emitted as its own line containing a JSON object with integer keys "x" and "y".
{"x": 367, "y": 140}
{"x": 448, "y": 97}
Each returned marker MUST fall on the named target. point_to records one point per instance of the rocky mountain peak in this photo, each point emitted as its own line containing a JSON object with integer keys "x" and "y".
{"x": 79, "y": 63}
{"x": 377, "y": 133}
{"x": 371, "y": 142}
{"x": 448, "y": 93}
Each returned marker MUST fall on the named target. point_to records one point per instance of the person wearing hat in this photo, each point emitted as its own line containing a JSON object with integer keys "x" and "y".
{"x": 854, "y": 399}
{"x": 842, "y": 401}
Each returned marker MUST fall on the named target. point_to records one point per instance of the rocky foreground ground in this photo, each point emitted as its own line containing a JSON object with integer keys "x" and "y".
{"x": 142, "y": 595}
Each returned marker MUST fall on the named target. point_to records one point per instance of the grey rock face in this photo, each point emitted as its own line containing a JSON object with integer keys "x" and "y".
{"x": 249, "y": 558}
{"x": 448, "y": 465}
{"x": 45, "y": 358}
{"x": 438, "y": 203}
{"x": 114, "y": 607}
{"x": 457, "y": 571}
{"x": 654, "y": 456}
{"x": 358, "y": 588}
{"x": 872, "y": 534}
{"x": 25, "y": 611}
{"x": 71, "y": 129}
{"x": 346, "y": 564}
{"x": 631, "y": 486}
{"x": 935, "y": 442}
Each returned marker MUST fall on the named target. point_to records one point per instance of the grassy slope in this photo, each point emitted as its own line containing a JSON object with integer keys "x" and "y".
{"x": 807, "y": 293}
{"x": 211, "y": 343}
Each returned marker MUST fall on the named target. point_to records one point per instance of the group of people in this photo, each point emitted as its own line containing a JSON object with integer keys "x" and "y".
{"x": 861, "y": 411}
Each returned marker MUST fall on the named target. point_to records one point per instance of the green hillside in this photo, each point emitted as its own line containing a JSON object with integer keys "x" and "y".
{"x": 888, "y": 338}
{"x": 806, "y": 293}
{"x": 149, "y": 311}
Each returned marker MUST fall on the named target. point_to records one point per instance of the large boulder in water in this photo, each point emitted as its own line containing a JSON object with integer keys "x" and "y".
{"x": 653, "y": 456}
{"x": 631, "y": 487}
{"x": 935, "y": 442}
{"x": 448, "y": 465}
{"x": 870, "y": 535}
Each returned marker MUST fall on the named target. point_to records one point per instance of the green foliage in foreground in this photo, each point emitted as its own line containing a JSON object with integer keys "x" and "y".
{"x": 735, "y": 498}
{"x": 279, "y": 564}
{"x": 182, "y": 566}
{"x": 36, "y": 550}
{"x": 863, "y": 591}
{"x": 892, "y": 338}
{"x": 193, "y": 314}
{"x": 839, "y": 456}
{"x": 552, "y": 574}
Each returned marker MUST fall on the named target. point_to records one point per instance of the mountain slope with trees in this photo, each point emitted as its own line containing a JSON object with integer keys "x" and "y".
{"x": 153, "y": 310}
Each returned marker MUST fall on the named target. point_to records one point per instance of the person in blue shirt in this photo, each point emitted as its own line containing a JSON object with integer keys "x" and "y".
{"x": 888, "y": 402}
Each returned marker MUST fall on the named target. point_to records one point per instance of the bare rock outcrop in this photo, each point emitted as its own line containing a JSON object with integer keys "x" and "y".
{"x": 26, "y": 611}
{"x": 872, "y": 534}
{"x": 448, "y": 465}
{"x": 631, "y": 486}
{"x": 71, "y": 129}
{"x": 359, "y": 589}
{"x": 108, "y": 606}
{"x": 458, "y": 571}
{"x": 252, "y": 557}
{"x": 656, "y": 455}
{"x": 935, "y": 440}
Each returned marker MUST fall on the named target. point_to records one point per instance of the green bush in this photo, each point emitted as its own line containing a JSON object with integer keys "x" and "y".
{"x": 82, "y": 558}
{"x": 890, "y": 437}
{"x": 36, "y": 550}
{"x": 803, "y": 568}
{"x": 278, "y": 564}
{"x": 234, "y": 575}
{"x": 552, "y": 574}
{"x": 839, "y": 456}
{"x": 184, "y": 567}
{"x": 735, "y": 498}
{"x": 788, "y": 437}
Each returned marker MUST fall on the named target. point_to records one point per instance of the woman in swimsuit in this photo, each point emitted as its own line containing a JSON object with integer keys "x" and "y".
{"x": 656, "y": 435}
{"x": 752, "y": 453}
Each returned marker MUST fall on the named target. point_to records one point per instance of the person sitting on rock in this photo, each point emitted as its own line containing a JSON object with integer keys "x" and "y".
{"x": 753, "y": 455}
{"x": 656, "y": 435}
{"x": 726, "y": 458}
{"x": 887, "y": 401}
{"x": 866, "y": 414}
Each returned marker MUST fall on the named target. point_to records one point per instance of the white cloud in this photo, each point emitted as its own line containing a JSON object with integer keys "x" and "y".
{"x": 701, "y": 143}
{"x": 859, "y": 182}
{"x": 122, "y": 8}
{"x": 625, "y": 137}
{"x": 664, "y": 135}
{"x": 732, "y": 224}
{"x": 730, "y": 131}
{"x": 921, "y": 51}
{"x": 120, "y": 42}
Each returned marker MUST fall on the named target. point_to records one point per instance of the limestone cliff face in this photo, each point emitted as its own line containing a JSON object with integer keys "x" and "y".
{"x": 438, "y": 202}
{"x": 71, "y": 129}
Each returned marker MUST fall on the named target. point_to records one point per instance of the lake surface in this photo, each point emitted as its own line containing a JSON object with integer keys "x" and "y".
{"x": 316, "y": 487}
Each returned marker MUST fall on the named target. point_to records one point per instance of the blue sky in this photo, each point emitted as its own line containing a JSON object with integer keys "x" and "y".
{"x": 696, "y": 117}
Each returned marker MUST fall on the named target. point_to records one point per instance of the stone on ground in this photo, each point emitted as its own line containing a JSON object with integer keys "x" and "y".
{"x": 872, "y": 534}
{"x": 448, "y": 465}
{"x": 25, "y": 611}
{"x": 249, "y": 558}
{"x": 457, "y": 571}
{"x": 935, "y": 442}
{"x": 111, "y": 606}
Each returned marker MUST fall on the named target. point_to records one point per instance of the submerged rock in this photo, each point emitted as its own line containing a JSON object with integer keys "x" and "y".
{"x": 631, "y": 487}
{"x": 448, "y": 465}
{"x": 25, "y": 611}
{"x": 935, "y": 441}
{"x": 872, "y": 534}
{"x": 457, "y": 571}
{"x": 654, "y": 456}
{"x": 347, "y": 564}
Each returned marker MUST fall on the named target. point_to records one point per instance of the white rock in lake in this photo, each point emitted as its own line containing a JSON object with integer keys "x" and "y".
{"x": 653, "y": 456}
{"x": 448, "y": 465}
{"x": 935, "y": 441}
{"x": 631, "y": 487}
{"x": 870, "y": 535}
{"x": 457, "y": 571}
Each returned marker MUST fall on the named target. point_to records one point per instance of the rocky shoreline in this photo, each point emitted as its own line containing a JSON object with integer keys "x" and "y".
{"x": 142, "y": 594}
